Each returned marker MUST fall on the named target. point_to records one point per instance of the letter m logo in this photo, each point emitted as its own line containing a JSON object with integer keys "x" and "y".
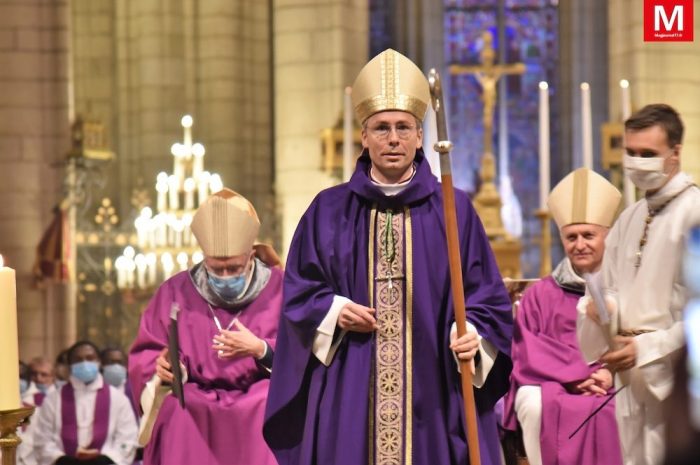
{"x": 668, "y": 20}
{"x": 660, "y": 16}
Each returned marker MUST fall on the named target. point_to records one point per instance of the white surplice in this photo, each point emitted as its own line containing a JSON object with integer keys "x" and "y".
{"x": 120, "y": 444}
{"x": 649, "y": 297}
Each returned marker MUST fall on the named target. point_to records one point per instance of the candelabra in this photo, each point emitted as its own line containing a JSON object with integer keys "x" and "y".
{"x": 164, "y": 241}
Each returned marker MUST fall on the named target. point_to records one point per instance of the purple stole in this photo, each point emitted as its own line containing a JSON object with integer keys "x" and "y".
{"x": 39, "y": 398}
{"x": 69, "y": 421}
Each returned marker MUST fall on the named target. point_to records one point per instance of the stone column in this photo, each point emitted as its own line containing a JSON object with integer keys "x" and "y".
{"x": 319, "y": 47}
{"x": 658, "y": 72}
{"x": 582, "y": 53}
{"x": 34, "y": 138}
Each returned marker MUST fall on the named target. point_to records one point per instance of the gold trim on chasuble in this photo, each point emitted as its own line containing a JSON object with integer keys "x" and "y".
{"x": 391, "y": 381}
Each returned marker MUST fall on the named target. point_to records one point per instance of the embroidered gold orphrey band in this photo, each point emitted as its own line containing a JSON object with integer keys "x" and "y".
{"x": 580, "y": 197}
{"x": 391, "y": 383}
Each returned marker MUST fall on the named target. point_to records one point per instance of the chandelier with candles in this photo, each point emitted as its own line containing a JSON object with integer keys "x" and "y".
{"x": 164, "y": 242}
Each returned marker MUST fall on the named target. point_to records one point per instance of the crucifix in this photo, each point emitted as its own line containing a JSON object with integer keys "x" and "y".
{"x": 488, "y": 201}
{"x": 487, "y": 75}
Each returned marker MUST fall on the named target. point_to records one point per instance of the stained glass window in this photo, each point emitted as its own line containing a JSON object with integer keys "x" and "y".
{"x": 530, "y": 31}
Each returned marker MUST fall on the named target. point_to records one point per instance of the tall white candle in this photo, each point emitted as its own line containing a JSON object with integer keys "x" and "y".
{"x": 625, "y": 96}
{"x": 9, "y": 345}
{"x": 141, "y": 268}
{"x": 629, "y": 193}
{"x": 173, "y": 190}
{"x": 586, "y": 126}
{"x": 152, "y": 268}
{"x": 348, "y": 142}
{"x": 544, "y": 144}
{"x": 198, "y": 162}
{"x": 186, "y": 122}
{"x": 189, "y": 193}
{"x": 203, "y": 188}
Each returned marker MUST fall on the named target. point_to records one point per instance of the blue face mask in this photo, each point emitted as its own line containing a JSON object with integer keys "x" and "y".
{"x": 85, "y": 371}
{"x": 23, "y": 386}
{"x": 114, "y": 374}
{"x": 60, "y": 383}
{"x": 227, "y": 288}
{"x": 42, "y": 387}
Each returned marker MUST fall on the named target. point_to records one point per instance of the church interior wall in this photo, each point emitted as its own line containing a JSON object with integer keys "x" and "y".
{"x": 34, "y": 131}
{"x": 319, "y": 48}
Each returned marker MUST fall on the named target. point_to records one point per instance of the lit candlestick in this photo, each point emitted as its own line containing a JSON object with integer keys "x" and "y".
{"x": 215, "y": 183}
{"x": 182, "y": 260}
{"x": 141, "y": 224}
{"x": 120, "y": 265}
{"x": 586, "y": 125}
{"x": 629, "y": 192}
{"x": 167, "y": 261}
{"x": 189, "y": 194}
{"x": 177, "y": 228}
{"x": 141, "y": 265}
{"x": 348, "y": 142}
{"x": 544, "y": 144}
{"x": 203, "y": 190}
{"x": 152, "y": 268}
{"x": 173, "y": 190}
{"x": 625, "y": 95}
{"x": 162, "y": 188}
{"x": 179, "y": 152}
{"x": 9, "y": 346}
{"x": 130, "y": 268}
{"x": 198, "y": 162}
{"x": 187, "y": 232}
{"x": 186, "y": 122}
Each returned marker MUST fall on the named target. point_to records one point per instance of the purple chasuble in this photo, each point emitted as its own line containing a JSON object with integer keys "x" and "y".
{"x": 546, "y": 353}
{"x": 221, "y": 423}
{"x": 321, "y": 415}
{"x": 69, "y": 421}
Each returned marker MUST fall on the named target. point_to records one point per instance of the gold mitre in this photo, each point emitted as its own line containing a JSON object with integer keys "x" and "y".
{"x": 225, "y": 225}
{"x": 390, "y": 81}
{"x": 584, "y": 196}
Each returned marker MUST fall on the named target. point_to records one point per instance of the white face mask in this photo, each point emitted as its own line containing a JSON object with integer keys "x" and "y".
{"x": 645, "y": 173}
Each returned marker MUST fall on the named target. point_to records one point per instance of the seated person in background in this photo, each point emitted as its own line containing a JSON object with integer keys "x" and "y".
{"x": 42, "y": 379}
{"x": 229, "y": 307}
{"x": 114, "y": 367}
{"x": 87, "y": 421}
{"x": 25, "y": 450}
{"x": 553, "y": 389}
{"x": 61, "y": 369}
{"x": 114, "y": 372}
{"x": 25, "y": 378}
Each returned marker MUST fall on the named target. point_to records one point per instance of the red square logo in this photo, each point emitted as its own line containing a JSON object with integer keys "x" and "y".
{"x": 668, "y": 20}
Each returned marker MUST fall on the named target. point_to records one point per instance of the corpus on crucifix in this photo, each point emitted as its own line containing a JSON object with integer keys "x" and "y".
{"x": 487, "y": 75}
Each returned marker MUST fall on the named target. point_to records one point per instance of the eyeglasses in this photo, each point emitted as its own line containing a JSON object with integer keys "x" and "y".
{"x": 382, "y": 130}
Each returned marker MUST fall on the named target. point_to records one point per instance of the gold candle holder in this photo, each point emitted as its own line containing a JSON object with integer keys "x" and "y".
{"x": 10, "y": 420}
{"x": 545, "y": 242}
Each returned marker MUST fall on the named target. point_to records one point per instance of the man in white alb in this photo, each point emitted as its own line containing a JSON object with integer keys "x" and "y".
{"x": 642, "y": 283}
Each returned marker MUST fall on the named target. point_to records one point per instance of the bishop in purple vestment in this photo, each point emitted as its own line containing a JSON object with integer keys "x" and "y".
{"x": 553, "y": 389}
{"x": 366, "y": 366}
{"x": 227, "y": 326}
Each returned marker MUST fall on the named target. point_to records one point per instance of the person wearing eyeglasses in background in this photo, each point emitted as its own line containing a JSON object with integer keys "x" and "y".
{"x": 642, "y": 282}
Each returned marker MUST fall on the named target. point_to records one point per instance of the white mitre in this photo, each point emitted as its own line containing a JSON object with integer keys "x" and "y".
{"x": 226, "y": 225}
{"x": 584, "y": 196}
